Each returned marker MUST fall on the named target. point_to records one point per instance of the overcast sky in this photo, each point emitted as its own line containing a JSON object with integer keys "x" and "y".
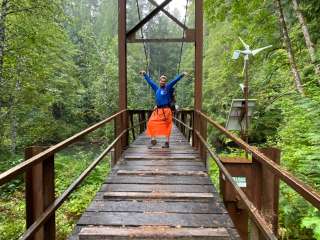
{"x": 179, "y": 4}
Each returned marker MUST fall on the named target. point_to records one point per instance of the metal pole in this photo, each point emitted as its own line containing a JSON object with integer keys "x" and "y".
{"x": 246, "y": 97}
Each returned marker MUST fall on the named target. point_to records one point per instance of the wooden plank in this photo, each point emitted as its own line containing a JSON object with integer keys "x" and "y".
{"x": 159, "y": 180}
{"x": 177, "y": 147}
{"x": 156, "y": 195}
{"x": 144, "y": 150}
{"x": 163, "y": 159}
{"x": 155, "y": 232}
{"x": 176, "y": 157}
{"x": 162, "y": 170}
{"x": 161, "y": 163}
{"x": 155, "y": 219}
{"x": 149, "y": 171}
{"x": 99, "y": 197}
{"x": 156, "y": 188}
{"x": 209, "y": 207}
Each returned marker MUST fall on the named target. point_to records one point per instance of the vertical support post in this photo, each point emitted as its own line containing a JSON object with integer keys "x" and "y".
{"x": 266, "y": 197}
{"x": 40, "y": 194}
{"x": 194, "y": 135}
{"x": 122, "y": 51}
{"x": 183, "y": 119}
{"x": 132, "y": 125}
{"x": 190, "y": 125}
{"x": 118, "y": 145}
{"x": 270, "y": 190}
{"x": 142, "y": 118}
{"x": 242, "y": 169}
{"x": 198, "y": 73}
{"x": 203, "y": 149}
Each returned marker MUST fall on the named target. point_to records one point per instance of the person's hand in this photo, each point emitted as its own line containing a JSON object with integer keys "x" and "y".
{"x": 142, "y": 72}
{"x": 185, "y": 74}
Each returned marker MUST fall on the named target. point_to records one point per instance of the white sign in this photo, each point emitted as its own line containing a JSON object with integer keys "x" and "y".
{"x": 241, "y": 181}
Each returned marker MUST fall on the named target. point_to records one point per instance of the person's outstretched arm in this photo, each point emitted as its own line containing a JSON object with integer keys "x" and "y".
{"x": 149, "y": 80}
{"x": 177, "y": 79}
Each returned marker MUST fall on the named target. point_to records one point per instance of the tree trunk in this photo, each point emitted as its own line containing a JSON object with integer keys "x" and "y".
{"x": 287, "y": 41}
{"x": 13, "y": 127}
{"x": 307, "y": 38}
{"x": 3, "y": 15}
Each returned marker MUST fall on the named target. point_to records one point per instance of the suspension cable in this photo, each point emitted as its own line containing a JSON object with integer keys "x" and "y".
{"x": 183, "y": 35}
{"x": 142, "y": 36}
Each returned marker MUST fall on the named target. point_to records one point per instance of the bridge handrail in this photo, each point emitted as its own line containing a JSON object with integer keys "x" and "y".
{"x": 22, "y": 167}
{"x": 300, "y": 187}
{"x": 29, "y": 163}
{"x": 185, "y": 125}
{"x": 63, "y": 197}
{"x": 253, "y": 211}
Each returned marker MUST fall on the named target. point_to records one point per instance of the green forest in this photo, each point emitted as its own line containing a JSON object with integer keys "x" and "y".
{"x": 59, "y": 75}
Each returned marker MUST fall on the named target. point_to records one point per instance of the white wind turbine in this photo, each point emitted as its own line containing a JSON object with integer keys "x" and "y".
{"x": 245, "y": 87}
{"x": 247, "y": 52}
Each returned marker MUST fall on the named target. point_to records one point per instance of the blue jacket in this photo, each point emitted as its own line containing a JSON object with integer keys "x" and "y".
{"x": 163, "y": 94}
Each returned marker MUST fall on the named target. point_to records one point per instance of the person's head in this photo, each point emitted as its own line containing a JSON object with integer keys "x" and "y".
{"x": 163, "y": 80}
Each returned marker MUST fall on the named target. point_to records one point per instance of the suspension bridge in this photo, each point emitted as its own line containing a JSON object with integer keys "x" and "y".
{"x": 162, "y": 193}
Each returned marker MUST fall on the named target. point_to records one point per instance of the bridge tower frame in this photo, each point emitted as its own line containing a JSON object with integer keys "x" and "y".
{"x": 192, "y": 36}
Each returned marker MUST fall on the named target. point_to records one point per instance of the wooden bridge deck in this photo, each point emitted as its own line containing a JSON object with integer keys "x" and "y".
{"x": 157, "y": 193}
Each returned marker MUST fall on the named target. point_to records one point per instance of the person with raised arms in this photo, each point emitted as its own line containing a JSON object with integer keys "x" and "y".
{"x": 160, "y": 122}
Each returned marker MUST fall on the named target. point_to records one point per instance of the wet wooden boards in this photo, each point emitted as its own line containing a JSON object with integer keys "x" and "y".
{"x": 157, "y": 194}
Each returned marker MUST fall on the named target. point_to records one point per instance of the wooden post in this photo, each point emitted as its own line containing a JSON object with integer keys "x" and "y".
{"x": 123, "y": 120}
{"x": 270, "y": 190}
{"x": 203, "y": 149}
{"x": 132, "y": 125}
{"x": 40, "y": 193}
{"x": 266, "y": 191}
{"x": 190, "y": 125}
{"x": 118, "y": 145}
{"x": 198, "y": 70}
{"x": 143, "y": 118}
{"x": 241, "y": 168}
{"x": 183, "y": 119}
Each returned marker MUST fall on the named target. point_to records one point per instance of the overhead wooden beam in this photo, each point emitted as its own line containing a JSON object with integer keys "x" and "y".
{"x": 189, "y": 37}
{"x": 169, "y": 15}
{"x": 158, "y": 40}
{"x": 154, "y": 12}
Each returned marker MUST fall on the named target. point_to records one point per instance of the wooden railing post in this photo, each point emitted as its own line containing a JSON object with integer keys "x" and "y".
{"x": 203, "y": 132}
{"x": 268, "y": 200}
{"x": 118, "y": 145}
{"x": 132, "y": 125}
{"x": 190, "y": 125}
{"x": 142, "y": 117}
{"x": 40, "y": 193}
{"x": 195, "y": 128}
{"x": 183, "y": 119}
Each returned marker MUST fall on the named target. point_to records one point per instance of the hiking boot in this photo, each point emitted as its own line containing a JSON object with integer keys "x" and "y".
{"x": 153, "y": 142}
{"x": 166, "y": 145}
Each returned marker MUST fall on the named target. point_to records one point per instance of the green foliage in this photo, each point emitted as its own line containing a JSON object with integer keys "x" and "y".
{"x": 60, "y": 74}
{"x": 282, "y": 117}
{"x": 69, "y": 164}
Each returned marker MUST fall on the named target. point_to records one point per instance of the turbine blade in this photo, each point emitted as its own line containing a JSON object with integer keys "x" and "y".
{"x": 256, "y": 51}
{"x": 246, "y": 46}
{"x": 236, "y": 54}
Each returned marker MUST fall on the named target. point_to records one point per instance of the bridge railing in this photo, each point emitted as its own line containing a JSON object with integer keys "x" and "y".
{"x": 41, "y": 203}
{"x": 262, "y": 227}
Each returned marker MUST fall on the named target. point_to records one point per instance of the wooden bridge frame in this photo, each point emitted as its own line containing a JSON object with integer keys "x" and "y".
{"x": 42, "y": 204}
{"x": 192, "y": 35}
